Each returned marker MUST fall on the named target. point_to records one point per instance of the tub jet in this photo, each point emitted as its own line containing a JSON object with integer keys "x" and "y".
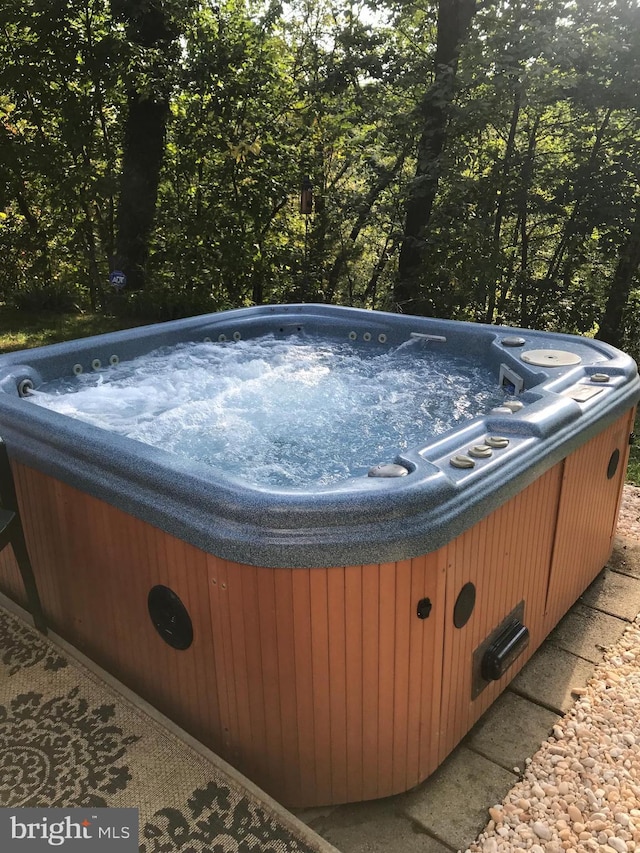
{"x": 25, "y": 387}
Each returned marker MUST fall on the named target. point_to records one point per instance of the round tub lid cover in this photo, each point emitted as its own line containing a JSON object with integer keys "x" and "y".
{"x": 550, "y": 357}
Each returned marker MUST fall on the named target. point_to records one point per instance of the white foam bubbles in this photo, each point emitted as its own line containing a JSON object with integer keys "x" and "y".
{"x": 292, "y": 412}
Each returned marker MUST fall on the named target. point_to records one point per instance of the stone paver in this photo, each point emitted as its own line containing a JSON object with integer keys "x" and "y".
{"x": 587, "y": 632}
{"x": 511, "y": 730}
{"x": 375, "y": 827}
{"x": 447, "y": 811}
{"x": 626, "y": 556}
{"x": 550, "y": 676}
{"x": 452, "y": 804}
{"x": 314, "y": 814}
{"x": 616, "y": 594}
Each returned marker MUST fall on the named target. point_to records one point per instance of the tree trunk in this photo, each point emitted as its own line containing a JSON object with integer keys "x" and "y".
{"x": 573, "y": 232}
{"x": 454, "y": 20}
{"x": 149, "y": 27}
{"x": 612, "y": 325}
{"x": 94, "y": 270}
{"x": 526, "y": 181}
{"x": 501, "y": 207}
{"x": 141, "y": 164}
{"x": 363, "y": 217}
{"x": 371, "y": 290}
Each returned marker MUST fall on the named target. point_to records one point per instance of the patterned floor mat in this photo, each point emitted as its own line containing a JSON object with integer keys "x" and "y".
{"x": 68, "y": 739}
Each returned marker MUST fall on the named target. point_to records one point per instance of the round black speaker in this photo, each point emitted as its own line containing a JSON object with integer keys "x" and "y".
{"x": 170, "y": 617}
{"x": 613, "y": 464}
{"x": 464, "y": 605}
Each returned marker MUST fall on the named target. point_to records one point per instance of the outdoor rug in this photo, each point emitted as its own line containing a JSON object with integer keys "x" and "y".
{"x": 67, "y": 739}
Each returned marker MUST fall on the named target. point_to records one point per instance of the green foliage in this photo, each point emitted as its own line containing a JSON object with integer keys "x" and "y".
{"x": 38, "y": 296}
{"x": 157, "y": 303}
{"x": 541, "y": 166}
{"x": 633, "y": 467}
{"x": 631, "y": 336}
{"x": 537, "y": 178}
{"x": 228, "y": 174}
{"x": 57, "y": 147}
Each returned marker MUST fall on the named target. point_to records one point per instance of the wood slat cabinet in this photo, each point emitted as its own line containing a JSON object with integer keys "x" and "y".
{"x": 323, "y": 685}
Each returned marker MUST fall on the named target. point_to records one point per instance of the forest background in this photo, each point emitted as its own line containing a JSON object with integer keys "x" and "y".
{"x": 472, "y": 160}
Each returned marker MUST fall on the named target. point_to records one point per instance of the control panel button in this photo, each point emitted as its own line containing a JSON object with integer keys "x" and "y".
{"x": 498, "y": 441}
{"x": 462, "y": 461}
{"x": 480, "y": 451}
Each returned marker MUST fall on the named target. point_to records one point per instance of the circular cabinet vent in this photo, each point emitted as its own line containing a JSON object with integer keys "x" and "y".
{"x": 170, "y": 617}
{"x": 464, "y": 605}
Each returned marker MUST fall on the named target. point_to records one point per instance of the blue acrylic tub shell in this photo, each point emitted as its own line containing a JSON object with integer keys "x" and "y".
{"x": 361, "y": 520}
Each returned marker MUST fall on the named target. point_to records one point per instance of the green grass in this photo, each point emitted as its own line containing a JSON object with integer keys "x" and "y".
{"x": 22, "y": 330}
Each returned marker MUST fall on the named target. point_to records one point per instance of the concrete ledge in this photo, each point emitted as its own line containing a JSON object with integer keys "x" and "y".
{"x": 586, "y": 632}
{"x": 511, "y": 731}
{"x": 625, "y": 557}
{"x": 614, "y": 593}
{"x": 375, "y": 827}
{"x": 452, "y": 804}
{"x": 550, "y": 676}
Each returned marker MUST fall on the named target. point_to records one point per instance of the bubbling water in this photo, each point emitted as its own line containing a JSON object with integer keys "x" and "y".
{"x": 288, "y": 413}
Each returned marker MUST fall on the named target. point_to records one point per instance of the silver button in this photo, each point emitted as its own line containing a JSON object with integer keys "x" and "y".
{"x": 480, "y": 451}
{"x": 461, "y": 461}
{"x": 496, "y": 441}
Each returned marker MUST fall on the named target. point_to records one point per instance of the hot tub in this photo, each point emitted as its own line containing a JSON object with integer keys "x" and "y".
{"x": 334, "y": 642}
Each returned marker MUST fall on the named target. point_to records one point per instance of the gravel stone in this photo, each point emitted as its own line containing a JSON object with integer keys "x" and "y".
{"x": 574, "y": 813}
{"x": 542, "y": 830}
{"x": 617, "y": 844}
{"x": 580, "y": 793}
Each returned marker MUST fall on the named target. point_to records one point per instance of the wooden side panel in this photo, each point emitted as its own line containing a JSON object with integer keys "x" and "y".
{"x": 39, "y": 512}
{"x": 426, "y": 667}
{"x": 306, "y": 709}
{"x": 386, "y": 659}
{"x": 342, "y": 679}
{"x": 506, "y": 556}
{"x": 587, "y": 517}
{"x": 10, "y": 580}
{"x": 94, "y": 567}
{"x": 355, "y": 619}
{"x": 286, "y": 674}
{"x": 322, "y": 685}
{"x": 371, "y": 683}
